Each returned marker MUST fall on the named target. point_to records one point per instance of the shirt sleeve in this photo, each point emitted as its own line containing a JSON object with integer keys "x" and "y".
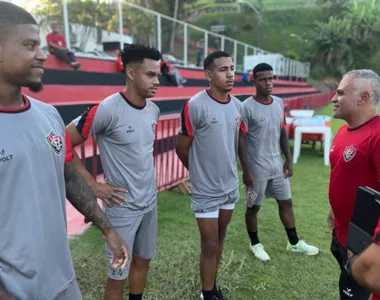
{"x": 96, "y": 120}
{"x": 188, "y": 121}
{"x": 244, "y": 119}
{"x": 63, "y": 41}
{"x": 158, "y": 113}
{"x": 283, "y": 123}
{"x": 69, "y": 148}
{"x": 375, "y": 157}
{"x": 49, "y": 38}
{"x": 119, "y": 63}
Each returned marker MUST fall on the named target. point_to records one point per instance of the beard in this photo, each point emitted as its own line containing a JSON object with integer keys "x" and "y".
{"x": 35, "y": 86}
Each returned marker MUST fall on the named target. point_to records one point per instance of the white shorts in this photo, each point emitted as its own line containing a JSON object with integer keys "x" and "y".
{"x": 214, "y": 214}
{"x": 208, "y": 207}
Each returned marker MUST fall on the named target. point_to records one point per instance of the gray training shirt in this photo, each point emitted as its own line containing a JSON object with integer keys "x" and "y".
{"x": 125, "y": 134}
{"x": 212, "y": 158}
{"x": 264, "y": 122}
{"x": 35, "y": 260}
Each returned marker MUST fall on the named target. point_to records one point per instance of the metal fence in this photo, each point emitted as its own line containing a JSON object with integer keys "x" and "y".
{"x": 189, "y": 44}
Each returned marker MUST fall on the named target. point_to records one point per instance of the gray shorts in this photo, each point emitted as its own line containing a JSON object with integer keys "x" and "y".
{"x": 277, "y": 188}
{"x": 72, "y": 292}
{"x": 140, "y": 234}
{"x": 210, "y": 204}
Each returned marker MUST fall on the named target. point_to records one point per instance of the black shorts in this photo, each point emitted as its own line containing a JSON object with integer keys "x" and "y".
{"x": 349, "y": 289}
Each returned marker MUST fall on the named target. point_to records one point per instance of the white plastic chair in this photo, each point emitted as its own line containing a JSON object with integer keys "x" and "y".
{"x": 312, "y": 129}
{"x": 302, "y": 113}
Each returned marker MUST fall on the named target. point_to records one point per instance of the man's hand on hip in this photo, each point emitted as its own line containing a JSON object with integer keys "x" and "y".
{"x": 111, "y": 195}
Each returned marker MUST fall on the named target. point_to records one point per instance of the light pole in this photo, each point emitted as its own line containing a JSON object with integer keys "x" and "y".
{"x": 297, "y": 37}
{"x": 120, "y": 9}
{"x": 174, "y": 26}
{"x": 66, "y": 24}
{"x": 259, "y": 11}
{"x": 302, "y": 40}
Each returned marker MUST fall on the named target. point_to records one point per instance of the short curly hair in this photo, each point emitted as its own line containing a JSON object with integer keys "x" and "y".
{"x": 137, "y": 53}
{"x": 209, "y": 60}
{"x": 261, "y": 67}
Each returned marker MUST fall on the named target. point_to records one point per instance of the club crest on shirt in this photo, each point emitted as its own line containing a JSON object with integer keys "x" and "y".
{"x": 55, "y": 142}
{"x": 252, "y": 195}
{"x": 154, "y": 127}
{"x": 238, "y": 120}
{"x": 349, "y": 153}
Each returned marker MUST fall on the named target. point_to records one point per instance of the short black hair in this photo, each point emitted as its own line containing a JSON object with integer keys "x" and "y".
{"x": 211, "y": 57}
{"x": 260, "y": 68}
{"x": 12, "y": 15}
{"x": 137, "y": 53}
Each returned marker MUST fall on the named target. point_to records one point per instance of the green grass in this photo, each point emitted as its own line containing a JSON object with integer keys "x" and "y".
{"x": 174, "y": 274}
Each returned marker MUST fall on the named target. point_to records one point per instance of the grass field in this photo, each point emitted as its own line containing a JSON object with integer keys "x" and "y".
{"x": 174, "y": 273}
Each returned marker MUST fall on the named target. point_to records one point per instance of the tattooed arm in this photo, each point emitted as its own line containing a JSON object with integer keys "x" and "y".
{"x": 81, "y": 197}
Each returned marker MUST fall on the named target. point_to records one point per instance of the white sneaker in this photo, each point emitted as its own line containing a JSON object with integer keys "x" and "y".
{"x": 259, "y": 252}
{"x": 302, "y": 247}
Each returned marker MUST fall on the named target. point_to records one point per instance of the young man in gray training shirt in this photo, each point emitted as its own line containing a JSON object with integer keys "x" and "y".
{"x": 125, "y": 127}
{"x": 264, "y": 118}
{"x": 36, "y": 175}
{"x": 207, "y": 145}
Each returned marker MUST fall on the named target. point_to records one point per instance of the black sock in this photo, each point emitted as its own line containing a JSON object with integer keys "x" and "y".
{"x": 135, "y": 297}
{"x": 208, "y": 295}
{"x": 292, "y": 235}
{"x": 254, "y": 238}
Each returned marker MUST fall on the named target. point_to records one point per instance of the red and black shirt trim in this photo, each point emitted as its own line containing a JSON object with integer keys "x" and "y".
{"x": 69, "y": 147}
{"x": 185, "y": 121}
{"x": 85, "y": 122}
{"x": 243, "y": 128}
{"x": 362, "y": 125}
{"x": 130, "y": 102}
{"x": 15, "y": 110}
{"x": 217, "y": 100}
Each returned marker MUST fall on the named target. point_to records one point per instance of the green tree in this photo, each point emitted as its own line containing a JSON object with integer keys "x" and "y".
{"x": 335, "y": 8}
{"x": 88, "y": 13}
{"x": 348, "y": 41}
{"x": 142, "y": 25}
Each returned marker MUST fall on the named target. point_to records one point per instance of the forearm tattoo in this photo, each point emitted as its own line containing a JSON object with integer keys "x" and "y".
{"x": 81, "y": 197}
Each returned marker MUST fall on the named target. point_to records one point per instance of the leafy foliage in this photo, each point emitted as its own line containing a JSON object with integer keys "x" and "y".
{"x": 88, "y": 13}
{"x": 346, "y": 41}
{"x": 104, "y": 15}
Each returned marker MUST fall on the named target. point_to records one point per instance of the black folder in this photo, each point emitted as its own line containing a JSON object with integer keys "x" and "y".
{"x": 364, "y": 219}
